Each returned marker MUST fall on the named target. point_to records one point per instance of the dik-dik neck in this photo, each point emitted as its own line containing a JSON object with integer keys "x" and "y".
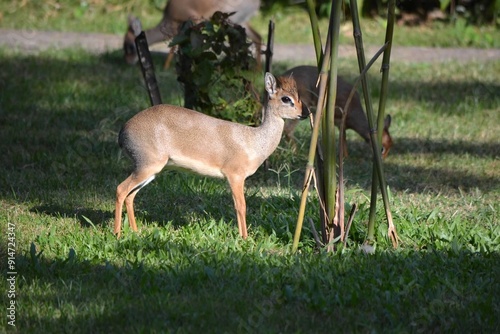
{"x": 165, "y": 30}
{"x": 268, "y": 134}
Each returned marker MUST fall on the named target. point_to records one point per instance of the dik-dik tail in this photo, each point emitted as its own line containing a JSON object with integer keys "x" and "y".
{"x": 166, "y": 136}
{"x": 306, "y": 78}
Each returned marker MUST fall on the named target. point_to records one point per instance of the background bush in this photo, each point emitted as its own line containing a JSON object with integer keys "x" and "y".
{"x": 474, "y": 11}
{"x": 216, "y": 67}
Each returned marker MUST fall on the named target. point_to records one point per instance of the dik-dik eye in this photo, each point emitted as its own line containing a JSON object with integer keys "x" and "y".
{"x": 286, "y": 99}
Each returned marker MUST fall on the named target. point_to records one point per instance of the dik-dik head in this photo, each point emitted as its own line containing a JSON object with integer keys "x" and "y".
{"x": 386, "y": 137}
{"x": 307, "y": 77}
{"x": 285, "y": 89}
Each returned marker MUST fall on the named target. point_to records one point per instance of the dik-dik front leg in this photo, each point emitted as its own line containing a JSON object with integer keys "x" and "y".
{"x": 237, "y": 185}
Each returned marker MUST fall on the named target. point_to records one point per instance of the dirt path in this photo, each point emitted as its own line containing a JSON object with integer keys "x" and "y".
{"x": 31, "y": 42}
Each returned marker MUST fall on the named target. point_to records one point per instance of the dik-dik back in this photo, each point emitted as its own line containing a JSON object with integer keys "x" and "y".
{"x": 306, "y": 78}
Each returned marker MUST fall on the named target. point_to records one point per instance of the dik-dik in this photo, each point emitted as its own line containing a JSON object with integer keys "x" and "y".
{"x": 166, "y": 136}
{"x": 306, "y": 77}
{"x": 178, "y": 11}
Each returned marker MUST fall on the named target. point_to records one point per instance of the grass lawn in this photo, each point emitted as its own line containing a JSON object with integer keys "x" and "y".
{"x": 187, "y": 270}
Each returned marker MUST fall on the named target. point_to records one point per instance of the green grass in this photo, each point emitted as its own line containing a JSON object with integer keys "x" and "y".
{"x": 187, "y": 270}
{"x": 111, "y": 17}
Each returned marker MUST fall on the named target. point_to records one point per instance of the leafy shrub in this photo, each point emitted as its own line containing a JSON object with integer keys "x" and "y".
{"x": 216, "y": 67}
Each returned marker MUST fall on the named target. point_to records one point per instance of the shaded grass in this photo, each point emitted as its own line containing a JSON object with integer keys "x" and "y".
{"x": 234, "y": 286}
{"x": 187, "y": 270}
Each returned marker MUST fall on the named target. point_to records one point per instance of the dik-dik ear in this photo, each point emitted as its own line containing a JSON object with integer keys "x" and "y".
{"x": 270, "y": 84}
{"x": 387, "y": 122}
{"x": 134, "y": 25}
{"x": 305, "y": 110}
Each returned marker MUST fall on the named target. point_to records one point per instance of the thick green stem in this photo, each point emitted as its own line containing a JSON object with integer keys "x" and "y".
{"x": 381, "y": 110}
{"x": 328, "y": 133}
{"x": 381, "y": 114}
{"x": 325, "y": 62}
{"x": 315, "y": 31}
{"x": 368, "y": 106}
{"x": 380, "y": 124}
{"x": 378, "y": 167}
{"x": 385, "y": 67}
{"x": 317, "y": 121}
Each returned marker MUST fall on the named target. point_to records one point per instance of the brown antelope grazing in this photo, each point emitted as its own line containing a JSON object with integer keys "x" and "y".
{"x": 306, "y": 78}
{"x": 175, "y": 137}
{"x": 178, "y": 11}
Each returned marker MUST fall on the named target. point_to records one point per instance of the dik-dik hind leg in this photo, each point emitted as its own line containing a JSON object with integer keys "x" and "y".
{"x": 126, "y": 192}
{"x": 237, "y": 185}
{"x": 170, "y": 57}
{"x": 129, "y": 204}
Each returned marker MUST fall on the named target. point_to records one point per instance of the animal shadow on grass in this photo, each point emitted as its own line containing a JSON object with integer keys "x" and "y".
{"x": 438, "y": 179}
{"x": 83, "y": 215}
{"x": 406, "y": 145}
{"x": 432, "y": 178}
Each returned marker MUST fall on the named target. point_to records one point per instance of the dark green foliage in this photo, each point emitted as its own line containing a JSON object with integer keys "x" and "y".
{"x": 474, "y": 11}
{"x": 214, "y": 63}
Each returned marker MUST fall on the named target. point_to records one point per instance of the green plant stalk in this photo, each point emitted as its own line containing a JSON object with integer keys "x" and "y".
{"x": 381, "y": 112}
{"x": 323, "y": 66}
{"x": 341, "y": 194}
{"x": 328, "y": 134}
{"x": 380, "y": 124}
{"x": 320, "y": 159}
{"x": 341, "y": 209}
{"x": 323, "y": 78}
{"x": 315, "y": 30}
{"x": 382, "y": 101}
{"x": 342, "y": 138}
{"x": 346, "y": 107}
{"x": 320, "y": 163}
{"x": 385, "y": 67}
{"x": 369, "y": 112}
{"x": 373, "y": 133}
{"x": 365, "y": 70}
